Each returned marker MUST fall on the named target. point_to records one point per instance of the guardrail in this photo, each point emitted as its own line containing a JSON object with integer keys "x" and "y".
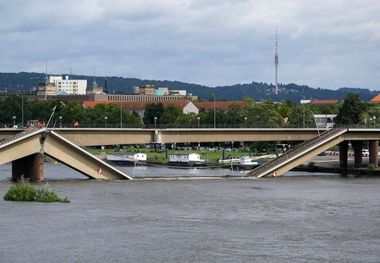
{"x": 16, "y": 136}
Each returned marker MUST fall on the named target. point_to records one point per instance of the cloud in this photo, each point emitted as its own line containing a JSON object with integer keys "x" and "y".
{"x": 326, "y": 43}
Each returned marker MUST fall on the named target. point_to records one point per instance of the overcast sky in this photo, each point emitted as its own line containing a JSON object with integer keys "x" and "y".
{"x": 322, "y": 43}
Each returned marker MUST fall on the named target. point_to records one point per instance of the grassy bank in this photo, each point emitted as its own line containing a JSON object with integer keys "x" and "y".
{"x": 161, "y": 157}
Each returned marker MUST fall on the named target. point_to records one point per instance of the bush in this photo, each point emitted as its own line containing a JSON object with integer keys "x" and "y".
{"x": 24, "y": 191}
{"x": 371, "y": 167}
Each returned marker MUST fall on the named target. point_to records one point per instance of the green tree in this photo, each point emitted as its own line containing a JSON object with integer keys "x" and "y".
{"x": 171, "y": 115}
{"x": 151, "y": 111}
{"x": 351, "y": 111}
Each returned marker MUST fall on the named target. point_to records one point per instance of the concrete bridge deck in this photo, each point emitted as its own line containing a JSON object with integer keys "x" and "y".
{"x": 102, "y": 136}
{"x": 65, "y": 144}
{"x": 26, "y": 149}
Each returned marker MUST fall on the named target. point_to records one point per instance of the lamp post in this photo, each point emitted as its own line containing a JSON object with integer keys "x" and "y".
{"x": 303, "y": 114}
{"x": 303, "y": 102}
{"x": 214, "y": 113}
{"x": 245, "y": 122}
{"x": 374, "y": 121}
{"x": 14, "y": 121}
{"x": 121, "y": 115}
{"x": 22, "y": 110}
{"x": 198, "y": 119}
{"x": 105, "y": 121}
{"x": 60, "y": 121}
{"x": 155, "y": 122}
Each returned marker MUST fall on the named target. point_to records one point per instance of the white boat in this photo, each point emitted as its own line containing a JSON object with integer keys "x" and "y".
{"x": 245, "y": 163}
{"x": 246, "y": 160}
{"x": 127, "y": 159}
{"x": 191, "y": 159}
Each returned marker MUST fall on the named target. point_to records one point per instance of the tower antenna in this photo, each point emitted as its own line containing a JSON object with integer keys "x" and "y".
{"x": 94, "y": 83}
{"x": 276, "y": 66}
{"x": 46, "y": 71}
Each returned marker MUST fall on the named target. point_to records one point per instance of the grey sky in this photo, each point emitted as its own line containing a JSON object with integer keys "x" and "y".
{"x": 322, "y": 43}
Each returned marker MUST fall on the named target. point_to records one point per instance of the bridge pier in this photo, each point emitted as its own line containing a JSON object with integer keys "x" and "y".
{"x": 358, "y": 153}
{"x": 373, "y": 153}
{"x": 343, "y": 154}
{"x": 31, "y": 167}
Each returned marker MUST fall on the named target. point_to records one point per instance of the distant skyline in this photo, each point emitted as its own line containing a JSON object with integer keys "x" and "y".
{"x": 325, "y": 43}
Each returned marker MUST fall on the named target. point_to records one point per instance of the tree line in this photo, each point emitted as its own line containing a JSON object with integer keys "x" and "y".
{"x": 16, "y": 109}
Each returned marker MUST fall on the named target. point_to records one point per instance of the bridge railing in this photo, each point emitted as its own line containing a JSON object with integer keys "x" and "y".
{"x": 296, "y": 150}
{"x": 16, "y": 136}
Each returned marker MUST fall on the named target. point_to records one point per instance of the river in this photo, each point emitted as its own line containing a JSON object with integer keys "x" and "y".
{"x": 295, "y": 218}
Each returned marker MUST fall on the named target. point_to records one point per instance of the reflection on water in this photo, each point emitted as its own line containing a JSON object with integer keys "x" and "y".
{"x": 61, "y": 172}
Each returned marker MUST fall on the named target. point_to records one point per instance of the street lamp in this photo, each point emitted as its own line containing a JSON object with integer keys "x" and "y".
{"x": 14, "y": 121}
{"x": 105, "y": 121}
{"x": 245, "y": 122}
{"x": 214, "y": 113}
{"x": 121, "y": 115}
{"x": 198, "y": 118}
{"x": 303, "y": 102}
{"x": 155, "y": 122}
{"x": 60, "y": 121}
{"x": 374, "y": 121}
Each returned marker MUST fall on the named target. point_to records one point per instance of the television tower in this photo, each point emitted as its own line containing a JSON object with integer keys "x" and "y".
{"x": 94, "y": 84}
{"x": 276, "y": 66}
{"x": 46, "y": 71}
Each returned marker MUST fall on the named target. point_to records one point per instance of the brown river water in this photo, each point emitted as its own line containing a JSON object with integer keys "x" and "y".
{"x": 296, "y": 218}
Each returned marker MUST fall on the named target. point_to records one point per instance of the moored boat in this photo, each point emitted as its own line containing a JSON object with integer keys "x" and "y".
{"x": 191, "y": 159}
{"x": 127, "y": 159}
{"x": 245, "y": 163}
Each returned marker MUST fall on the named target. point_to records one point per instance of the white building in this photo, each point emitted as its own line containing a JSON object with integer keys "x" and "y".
{"x": 178, "y": 92}
{"x": 68, "y": 86}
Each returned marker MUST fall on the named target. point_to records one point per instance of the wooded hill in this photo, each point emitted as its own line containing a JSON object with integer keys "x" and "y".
{"x": 25, "y": 81}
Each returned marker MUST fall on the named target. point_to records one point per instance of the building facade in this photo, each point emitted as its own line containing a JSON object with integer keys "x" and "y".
{"x": 56, "y": 85}
{"x": 66, "y": 86}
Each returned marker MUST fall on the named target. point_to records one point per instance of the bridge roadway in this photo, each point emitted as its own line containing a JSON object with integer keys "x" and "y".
{"x": 108, "y": 136}
{"x": 25, "y": 149}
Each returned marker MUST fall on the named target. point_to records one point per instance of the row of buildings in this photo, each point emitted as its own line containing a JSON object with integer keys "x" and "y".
{"x": 68, "y": 89}
{"x": 64, "y": 86}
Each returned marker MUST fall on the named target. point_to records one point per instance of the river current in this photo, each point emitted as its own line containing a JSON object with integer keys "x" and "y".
{"x": 295, "y": 218}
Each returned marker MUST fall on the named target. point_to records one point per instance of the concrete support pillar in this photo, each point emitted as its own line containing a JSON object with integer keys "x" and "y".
{"x": 373, "y": 153}
{"x": 37, "y": 166}
{"x": 19, "y": 168}
{"x": 343, "y": 154}
{"x": 358, "y": 153}
{"x": 31, "y": 167}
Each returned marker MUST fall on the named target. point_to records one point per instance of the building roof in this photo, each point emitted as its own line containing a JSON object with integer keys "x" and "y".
{"x": 225, "y": 105}
{"x": 375, "y": 99}
{"x": 92, "y": 103}
{"x": 138, "y": 105}
{"x": 323, "y": 102}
